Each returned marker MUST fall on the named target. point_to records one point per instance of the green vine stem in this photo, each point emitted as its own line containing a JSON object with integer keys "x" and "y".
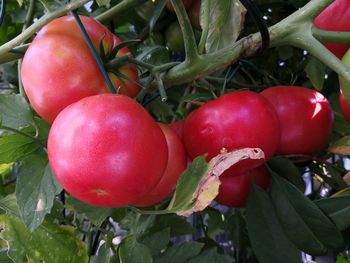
{"x": 122, "y": 6}
{"x": 26, "y": 34}
{"x": 28, "y": 20}
{"x": 187, "y": 31}
{"x": 331, "y": 36}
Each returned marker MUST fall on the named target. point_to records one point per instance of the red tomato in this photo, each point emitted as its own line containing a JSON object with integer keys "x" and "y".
{"x": 336, "y": 17}
{"x": 234, "y": 190}
{"x": 306, "y": 118}
{"x": 344, "y": 106}
{"x": 187, "y": 4}
{"x": 106, "y": 150}
{"x": 59, "y": 69}
{"x": 177, "y": 126}
{"x": 177, "y": 163}
{"x": 235, "y": 120}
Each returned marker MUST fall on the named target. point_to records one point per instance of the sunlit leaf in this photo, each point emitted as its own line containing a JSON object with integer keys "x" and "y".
{"x": 36, "y": 189}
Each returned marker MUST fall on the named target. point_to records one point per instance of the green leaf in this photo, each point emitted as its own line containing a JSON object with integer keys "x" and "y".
{"x": 315, "y": 71}
{"x": 14, "y": 147}
{"x": 226, "y": 22}
{"x": 48, "y": 243}
{"x": 178, "y": 226}
{"x": 210, "y": 256}
{"x": 95, "y": 214}
{"x": 216, "y": 224}
{"x": 131, "y": 251}
{"x": 341, "y": 146}
{"x": 36, "y": 189}
{"x": 103, "y": 2}
{"x": 236, "y": 228}
{"x": 294, "y": 225}
{"x": 156, "y": 242}
{"x": 15, "y": 111}
{"x": 287, "y": 169}
{"x": 267, "y": 237}
{"x": 338, "y": 209}
{"x": 322, "y": 227}
{"x": 105, "y": 255}
{"x": 180, "y": 253}
{"x": 189, "y": 181}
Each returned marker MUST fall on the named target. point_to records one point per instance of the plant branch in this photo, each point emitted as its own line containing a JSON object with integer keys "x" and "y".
{"x": 30, "y": 31}
{"x": 187, "y": 31}
{"x": 120, "y": 7}
{"x": 331, "y": 36}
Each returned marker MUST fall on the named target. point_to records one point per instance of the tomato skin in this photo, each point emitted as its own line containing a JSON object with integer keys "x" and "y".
{"x": 235, "y": 120}
{"x": 234, "y": 190}
{"x": 102, "y": 150}
{"x": 59, "y": 69}
{"x": 344, "y": 106}
{"x": 336, "y": 17}
{"x": 177, "y": 163}
{"x": 177, "y": 126}
{"x": 306, "y": 118}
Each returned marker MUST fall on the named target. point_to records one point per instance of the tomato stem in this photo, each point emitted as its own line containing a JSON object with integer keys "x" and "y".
{"x": 331, "y": 36}
{"x": 120, "y": 7}
{"x": 187, "y": 31}
{"x": 94, "y": 53}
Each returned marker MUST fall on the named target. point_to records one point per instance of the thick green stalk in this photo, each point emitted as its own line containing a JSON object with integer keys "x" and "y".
{"x": 187, "y": 31}
{"x": 331, "y": 36}
{"x": 30, "y": 31}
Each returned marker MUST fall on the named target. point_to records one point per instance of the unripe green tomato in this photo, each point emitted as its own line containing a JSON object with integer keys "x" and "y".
{"x": 174, "y": 38}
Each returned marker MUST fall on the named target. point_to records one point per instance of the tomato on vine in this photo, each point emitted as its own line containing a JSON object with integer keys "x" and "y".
{"x": 234, "y": 189}
{"x": 235, "y": 120}
{"x": 59, "y": 69}
{"x": 102, "y": 150}
{"x": 306, "y": 118}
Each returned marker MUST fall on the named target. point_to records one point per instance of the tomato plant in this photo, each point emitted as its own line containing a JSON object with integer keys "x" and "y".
{"x": 231, "y": 122}
{"x": 102, "y": 148}
{"x": 60, "y": 60}
{"x": 234, "y": 189}
{"x": 115, "y": 185}
{"x": 306, "y": 119}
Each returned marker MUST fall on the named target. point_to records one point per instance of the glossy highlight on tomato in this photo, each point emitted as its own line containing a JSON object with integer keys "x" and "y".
{"x": 234, "y": 190}
{"x": 58, "y": 68}
{"x": 177, "y": 163}
{"x": 235, "y": 120}
{"x": 106, "y": 150}
{"x": 306, "y": 118}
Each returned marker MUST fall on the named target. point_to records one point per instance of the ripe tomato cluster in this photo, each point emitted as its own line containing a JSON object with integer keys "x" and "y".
{"x": 104, "y": 149}
{"x": 281, "y": 119}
